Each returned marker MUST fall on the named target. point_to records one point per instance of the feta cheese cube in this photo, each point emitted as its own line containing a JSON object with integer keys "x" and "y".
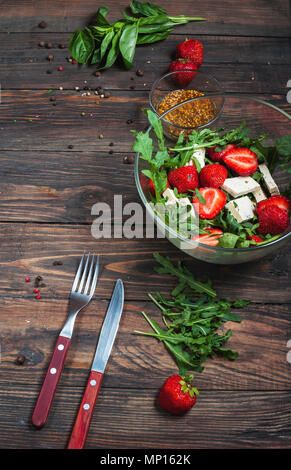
{"x": 182, "y": 202}
{"x": 259, "y": 195}
{"x": 199, "y": 155}
{"x": 240, "y": 185}
{"x": 241, "y": 209}
{"x": 270, "y": 183}
{"x": 170, "y": 195}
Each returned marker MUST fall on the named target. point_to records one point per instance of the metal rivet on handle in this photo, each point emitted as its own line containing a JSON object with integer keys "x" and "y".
{"x": 53, "y": 370}
{"x": 93, "y": 383}
{"x": 86, "y": 406}
{"x": 60, "y": 347}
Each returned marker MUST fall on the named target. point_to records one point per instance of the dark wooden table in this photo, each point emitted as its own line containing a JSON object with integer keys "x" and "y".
{"x": 47, "y": 191}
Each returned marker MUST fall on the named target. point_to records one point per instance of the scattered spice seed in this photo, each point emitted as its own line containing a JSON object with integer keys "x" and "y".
{"x": 36, "y": 291}
{"x": 59, "y": 263}
{"x": 27, "y": 279}
{"x": 37, "y": 296}
{"x": 49, "y": 71}
{"x": 102, "y": 96}
{"x": 41, "y": 44}
{"x": 52, "y": 98}
{"x": 69, "y": 59}
{"x": 50, "y": 57}
{"x": 42, "y": 24}
{"x": 140, "y": 73}
{"x": 49, "y": 45}
{"x": 111, "y": 144}
{"x": 62, "y": 46}
{"x": 101, "y": 136}
{"x": 37, "y": 281}
{"x": 69, "y": 147}
{"x": 60, "y": 68}
{"x": 107, "y": 94}
{"x": 74, "y": 61}
{"x": 97, "y": 74}
{"x": 83, "y": 114}
{"x": 20, "y": 360}
{"x": 110, "y": 152}
{"x": 132, "y": 87}
{"x": 129, "y": 121}
{"x": 128, "y": 159}
{"x": 131, "y": 78}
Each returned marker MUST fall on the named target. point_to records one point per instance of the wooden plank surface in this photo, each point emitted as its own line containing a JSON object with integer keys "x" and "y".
{"x": 230, "y": 17}
{"x": 133, "y": 420}
{"x": 46, "y": 194}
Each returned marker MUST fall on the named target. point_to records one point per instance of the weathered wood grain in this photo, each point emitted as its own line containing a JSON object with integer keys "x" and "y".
{"x": 229, "y": 17}
{"x": 29, "y": 121}
{"x": 136, "y": 360}
{"x": 233, "y": 77}
{"x": 24, "y": 64}
{"x": 63, "y": 186}
{"x": 30, "y": 250}
{"x": 129, "y": 419}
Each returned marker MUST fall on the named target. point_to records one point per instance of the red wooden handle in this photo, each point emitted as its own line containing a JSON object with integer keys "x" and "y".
{"x": 50, "y": 382}
{"x": 83, "y": 420}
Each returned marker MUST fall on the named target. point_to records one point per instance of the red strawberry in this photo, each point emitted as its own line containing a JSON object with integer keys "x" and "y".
{"x": 183, "y": 78}
{"x": 213, "y": 176}
{"x": 218, "y": 156}
{"x": 255, "y": 238}
{"x": 279, "y": 201}
{"x": 210, "y": 239}
{"x": 273, "y": 220}
{"x": 177, "y": 394}
{"x": 184, "y": 178}
{"x": 215, "y": 202}
{"x": 241, "y": 160}
{"x": 190, "y": 49}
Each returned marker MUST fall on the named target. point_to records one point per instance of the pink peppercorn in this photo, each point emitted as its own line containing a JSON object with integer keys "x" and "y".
{"x": 60, "y": 69}
{"x": 74, "y": 61}
{"x": 36, "y": 291}
{"x": 37, "y": 296}
{"x": 27, "y": 279}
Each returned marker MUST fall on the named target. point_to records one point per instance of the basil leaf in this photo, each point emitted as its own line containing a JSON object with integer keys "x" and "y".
{"x": 146, "y": 9}
{"x": 132, "y": 19}
{"x": 113, "y": 52}
{"x": 101, "y": 16}
{"x": 81, "y": 45}
{"x": 96, "y": 57}
{"x": 153, "y": 37}
{"x": 154, "y": 19}
{"x": 105, "y": 43}
{"x": 127, "y": 43}
{"x": 155, "y": 28}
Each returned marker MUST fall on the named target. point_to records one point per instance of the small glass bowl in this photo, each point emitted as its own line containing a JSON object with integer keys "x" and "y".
{"x": 261, "y": 118}
{"x": 190, "y": 115}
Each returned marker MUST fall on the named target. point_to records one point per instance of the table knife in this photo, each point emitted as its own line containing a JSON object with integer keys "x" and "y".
{"x": 103, "y": 350}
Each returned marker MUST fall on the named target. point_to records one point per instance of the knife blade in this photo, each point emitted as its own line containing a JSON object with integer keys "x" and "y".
{"x": 103, "y": 350}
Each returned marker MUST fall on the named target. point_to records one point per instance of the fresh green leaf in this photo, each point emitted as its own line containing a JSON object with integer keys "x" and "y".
{"x": 146, "y": 9}
{"x": 127, "y": 43}
{"x": 228, "y": 240}
{"x": 81, "y": 45}
{"x": 101, "y": 16}
{"x": 113, "y": 52}
{"x": 151, "y": 38}
{"x": 105, "y": 43}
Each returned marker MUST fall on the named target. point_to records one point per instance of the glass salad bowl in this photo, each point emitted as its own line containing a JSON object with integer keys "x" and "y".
{"x": 261, "y": 118}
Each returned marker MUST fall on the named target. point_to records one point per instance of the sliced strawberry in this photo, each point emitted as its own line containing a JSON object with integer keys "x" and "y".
{"x": 241, "y": 160}
{"x": 215, "y": 201}
{"x": 184, "y": 178}
{"x": 213, "y": 176}
{"x": 218, "y": 156}
{"x": 210, "y": 239}
{"x": 279, "y": 201}
{"x": 255, "y": 238}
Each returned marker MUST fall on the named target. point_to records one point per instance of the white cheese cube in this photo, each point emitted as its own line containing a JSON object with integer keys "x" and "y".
{"x": 170, "y": 195}
{"x": 240, "y": 185}
{"x": 199, "y": 155}
{"x": 270, "y": 183}
{"x": 259, "y": 195}
{"x": 241, "y": 209}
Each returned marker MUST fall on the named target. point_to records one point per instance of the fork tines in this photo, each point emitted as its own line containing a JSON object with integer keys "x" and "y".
{"x": 90, "y": 278}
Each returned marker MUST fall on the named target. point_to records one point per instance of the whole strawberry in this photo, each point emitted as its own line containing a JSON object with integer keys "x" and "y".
{"x": 177, "y": 394}
{"x": 273, "y": 220}
{"x": 190, "y": 49}
{"x": 213, "y": 176}
{"x": 181, "y": 66}
{"x": 184, "y": 178}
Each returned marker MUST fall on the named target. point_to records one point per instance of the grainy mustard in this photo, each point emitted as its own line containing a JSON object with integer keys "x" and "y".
{"x": 192, "y": 114}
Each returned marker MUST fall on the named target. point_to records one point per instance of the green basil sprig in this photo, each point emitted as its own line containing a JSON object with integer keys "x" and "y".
{"x": 102, "y": 42}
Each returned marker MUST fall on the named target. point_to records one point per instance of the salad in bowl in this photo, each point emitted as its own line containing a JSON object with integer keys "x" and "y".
{"x": 214, "y": 191}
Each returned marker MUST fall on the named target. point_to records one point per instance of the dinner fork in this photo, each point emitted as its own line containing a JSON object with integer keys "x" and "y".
{"x": 78, "y": 299}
